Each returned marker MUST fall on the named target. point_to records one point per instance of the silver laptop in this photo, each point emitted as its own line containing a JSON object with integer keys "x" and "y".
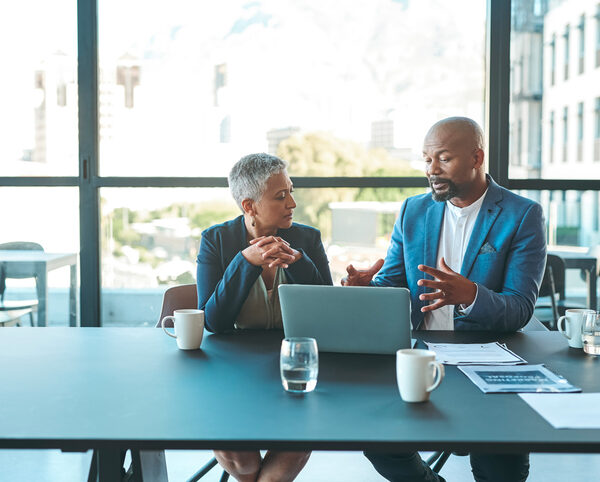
{"x": 348, "y": 319}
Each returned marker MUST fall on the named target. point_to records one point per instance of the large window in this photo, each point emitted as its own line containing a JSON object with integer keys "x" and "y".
{"x": 558, "y": 160}
{"x": 189, "y": 91}
{"x": 555, "y": 111}
{"x": 49, "y": 217}
{"x": 38, "y": 139}
{"x": 572, "y": 224}
{"x": 337, "y": 90}
{"x": 150, "y": 237}
{"x": 38, "y": 89}
{"x": 142, "y": 125}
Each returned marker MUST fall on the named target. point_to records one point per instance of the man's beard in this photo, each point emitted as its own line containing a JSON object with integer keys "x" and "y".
{"x": 449, "y": 193}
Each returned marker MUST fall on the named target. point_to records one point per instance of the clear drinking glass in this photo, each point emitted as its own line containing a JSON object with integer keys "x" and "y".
{"x": 299, "y": 364}
{"x": 591, "y": 333}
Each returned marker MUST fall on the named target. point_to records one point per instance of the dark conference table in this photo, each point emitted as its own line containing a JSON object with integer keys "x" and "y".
{"x": 116, "y": 388}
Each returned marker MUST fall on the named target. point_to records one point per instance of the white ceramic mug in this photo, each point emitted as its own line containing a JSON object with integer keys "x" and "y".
{"x": 418, "y": 374}
{"x": 189, "y": 328}
{"x": 571, "y": 325}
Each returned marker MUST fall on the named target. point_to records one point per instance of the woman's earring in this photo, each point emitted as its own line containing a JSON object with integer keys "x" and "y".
{"x": 253, "y": 221}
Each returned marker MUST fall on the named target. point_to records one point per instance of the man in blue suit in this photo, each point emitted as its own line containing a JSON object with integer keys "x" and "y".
{"x": 472, "y": 255}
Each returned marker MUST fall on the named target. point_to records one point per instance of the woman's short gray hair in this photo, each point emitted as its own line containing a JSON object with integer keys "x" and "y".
{"x": 248, "y": 177}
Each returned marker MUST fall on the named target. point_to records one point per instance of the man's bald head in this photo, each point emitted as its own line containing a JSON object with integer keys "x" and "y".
{"x": 467, "y": 129}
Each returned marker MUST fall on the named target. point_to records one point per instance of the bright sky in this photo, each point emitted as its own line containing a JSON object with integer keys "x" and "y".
{"x": 319, "y": 65}
{"x": 315, "y": 66}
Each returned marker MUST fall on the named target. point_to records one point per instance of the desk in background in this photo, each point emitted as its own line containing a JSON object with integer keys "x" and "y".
{"x": 42, "y": 262}
{"x": 115, "y": 388}
{"x": 587, "y": 263}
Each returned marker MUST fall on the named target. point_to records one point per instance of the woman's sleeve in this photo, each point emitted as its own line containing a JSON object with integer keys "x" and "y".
{"x": 221, "y": 294}
{"x": 313, "y": 267}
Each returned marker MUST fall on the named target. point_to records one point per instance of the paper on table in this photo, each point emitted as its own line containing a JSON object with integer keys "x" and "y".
{"x": 566, "y": 410}
{"x": 474, "y": 354}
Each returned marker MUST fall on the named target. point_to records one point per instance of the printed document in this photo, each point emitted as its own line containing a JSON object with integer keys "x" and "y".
{"x": 474, "y": 354}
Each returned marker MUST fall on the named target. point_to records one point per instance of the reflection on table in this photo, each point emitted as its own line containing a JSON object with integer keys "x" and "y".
{"x": 41, "y": 263}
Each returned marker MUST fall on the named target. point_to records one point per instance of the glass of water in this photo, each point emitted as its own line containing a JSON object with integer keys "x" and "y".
{"x": 299, "y": 364}
{"x": 591, "y": 333}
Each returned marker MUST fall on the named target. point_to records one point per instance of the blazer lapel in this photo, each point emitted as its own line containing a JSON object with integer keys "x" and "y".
{"x": 241, "y": 233}
{"x": 433, "y": 230}
{"x": 485, "y": 219}
{"x": 237, "y": 241}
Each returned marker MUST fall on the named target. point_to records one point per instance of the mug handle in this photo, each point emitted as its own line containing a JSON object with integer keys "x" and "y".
{"x": 438, "y": 374}
{"x": 561, "y": 328}
{"x": 162, "y": 323}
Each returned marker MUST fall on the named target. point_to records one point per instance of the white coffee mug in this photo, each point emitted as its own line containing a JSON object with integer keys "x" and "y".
{"x": 418, "y": 374}
{"x": 571, "y": 325}
{"x": 189, "y": 328}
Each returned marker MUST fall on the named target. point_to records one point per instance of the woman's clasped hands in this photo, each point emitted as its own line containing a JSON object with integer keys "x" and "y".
{"x": 271, "y": 251}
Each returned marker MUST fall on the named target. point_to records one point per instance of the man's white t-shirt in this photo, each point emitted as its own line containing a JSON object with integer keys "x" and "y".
{"x": 456, "y": 231}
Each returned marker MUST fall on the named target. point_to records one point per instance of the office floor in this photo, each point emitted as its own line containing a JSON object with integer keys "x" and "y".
{"x": 55, "y": 466}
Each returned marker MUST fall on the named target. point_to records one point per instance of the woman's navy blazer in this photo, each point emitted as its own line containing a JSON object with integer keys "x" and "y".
{"x": 224, "y": 276}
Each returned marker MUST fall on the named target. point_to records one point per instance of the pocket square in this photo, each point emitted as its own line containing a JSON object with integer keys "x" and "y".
{"x": 487, "y": 248}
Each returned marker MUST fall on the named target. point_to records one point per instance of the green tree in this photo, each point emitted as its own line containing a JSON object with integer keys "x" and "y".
{"x": 117, "y": 224}
{"x": 322, "y": 154}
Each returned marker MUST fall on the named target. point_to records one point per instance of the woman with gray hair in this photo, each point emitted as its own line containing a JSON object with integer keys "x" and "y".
{"x": 240, "y": 265}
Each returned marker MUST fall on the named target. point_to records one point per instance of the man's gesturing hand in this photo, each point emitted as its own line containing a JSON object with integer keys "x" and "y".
{"x": 361, "y": 277}
{"x": 452, "y": 288}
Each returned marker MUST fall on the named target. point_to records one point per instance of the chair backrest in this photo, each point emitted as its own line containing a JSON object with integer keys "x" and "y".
{"x": 595, "y": 252}
{"x": 178, "y": 298}
{"x": 555, "y": 272}
{"x": 547, "y": 287}
{"x": 17, "y": 270}
{"x": 22, "y": 245}
{"x": 20, "y": 270}
{"x": 553, "y": 283}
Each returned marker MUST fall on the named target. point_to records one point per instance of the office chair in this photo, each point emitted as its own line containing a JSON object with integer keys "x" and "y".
{"x": 548, "y": 289}
{"x": 553, "y": 284}
{"x": 17, "y": 308}
{"x": 185, "y": 297}
{"x": 437, "y": 460}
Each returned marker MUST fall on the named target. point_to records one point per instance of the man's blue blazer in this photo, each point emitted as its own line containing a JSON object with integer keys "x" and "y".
{"x": 505, "y": 257}
{"x": 224, "y": 276}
